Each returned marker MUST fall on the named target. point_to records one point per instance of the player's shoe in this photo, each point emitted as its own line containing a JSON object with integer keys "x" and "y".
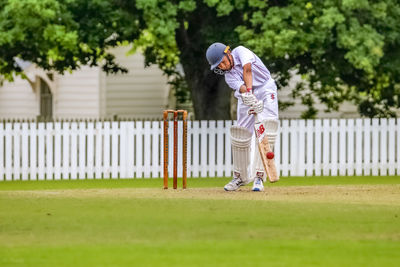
{"x": 258, "y": 184}
{"x": 234, "y": 184}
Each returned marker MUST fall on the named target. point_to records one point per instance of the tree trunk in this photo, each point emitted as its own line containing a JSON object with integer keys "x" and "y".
{"x": 211, "y": 96}
{"x": 210, "y": 93}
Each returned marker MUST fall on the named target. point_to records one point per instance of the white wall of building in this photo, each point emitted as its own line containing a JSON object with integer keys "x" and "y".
{"x": 18, "y": 100}
{"x": 141, "y": 93}
{"x": 77, "y": 94}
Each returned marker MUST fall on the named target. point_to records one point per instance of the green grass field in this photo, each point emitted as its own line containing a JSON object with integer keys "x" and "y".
{"x": 341, "y": 221}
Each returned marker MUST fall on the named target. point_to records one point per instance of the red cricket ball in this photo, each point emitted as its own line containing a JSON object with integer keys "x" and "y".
{"x": 270, "y": 155}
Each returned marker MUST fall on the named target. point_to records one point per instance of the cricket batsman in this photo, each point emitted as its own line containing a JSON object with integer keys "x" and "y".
{"x": 257, "y": 98}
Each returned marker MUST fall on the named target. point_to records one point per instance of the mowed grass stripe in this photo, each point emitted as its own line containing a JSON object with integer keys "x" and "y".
{"x": 192, "y": 182}
{"x": 252, "y": 253}
{"x": 50, "y": 231}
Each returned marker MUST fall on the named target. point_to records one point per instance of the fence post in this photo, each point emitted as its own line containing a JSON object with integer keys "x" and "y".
{"x": 398, "y": 146}
{"x": 146, "y": 151}
{"x": 99, "y": 139}
{"x": 391, "y": 146}
{"x": 156, "y": 150}
{"x": 310, "y": 152}
{"x": 383, "y": 164}
{"x": 49, "y": 152}
{"x": 57, "y": 150}
{"x": 90, "y": 150}
{"x": 66, "y": 150}
{"x": 115, "y": 148}
{"x": 130, "y": 150}
{"x": 342, "y": 146}
{"x": 2, "y": 134}
{"x": 375, "y": 147}
{"x": 211, "y": 149}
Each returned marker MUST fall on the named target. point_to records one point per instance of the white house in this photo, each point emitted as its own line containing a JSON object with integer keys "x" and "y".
{"x": 88, "y": 92}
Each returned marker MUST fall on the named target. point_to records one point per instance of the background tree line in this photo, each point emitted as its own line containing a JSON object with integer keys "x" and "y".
{"x": 344, "y": 50}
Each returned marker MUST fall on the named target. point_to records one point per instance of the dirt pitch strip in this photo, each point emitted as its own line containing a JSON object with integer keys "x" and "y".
{"x": 357, "y": 194}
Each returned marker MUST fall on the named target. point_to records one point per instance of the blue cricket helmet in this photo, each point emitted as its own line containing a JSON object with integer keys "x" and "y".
{"x": 215, "y": 54}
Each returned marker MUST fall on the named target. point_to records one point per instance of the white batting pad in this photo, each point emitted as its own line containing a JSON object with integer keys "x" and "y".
{"x": 272, "y": 129}
{"x": 241, "y": 145}
{"x": 257, "y": 166}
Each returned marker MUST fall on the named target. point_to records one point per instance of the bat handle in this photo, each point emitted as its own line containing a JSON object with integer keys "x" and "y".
{"x": 249, "y": 90}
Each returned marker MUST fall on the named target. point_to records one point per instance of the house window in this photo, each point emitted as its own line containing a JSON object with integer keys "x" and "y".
{"x": 46, "y": 101}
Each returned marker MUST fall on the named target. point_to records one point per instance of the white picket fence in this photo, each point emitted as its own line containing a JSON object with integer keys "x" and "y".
{"x": 98, "y": 150}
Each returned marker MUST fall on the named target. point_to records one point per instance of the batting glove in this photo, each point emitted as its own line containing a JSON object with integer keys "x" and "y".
{"x": 256, "y": 108}
{"x": 249, "y": 99}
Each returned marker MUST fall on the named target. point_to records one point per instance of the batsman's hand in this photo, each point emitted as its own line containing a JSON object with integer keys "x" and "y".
{"x": 256, "y": 108}
{"x": 249, "y": 99}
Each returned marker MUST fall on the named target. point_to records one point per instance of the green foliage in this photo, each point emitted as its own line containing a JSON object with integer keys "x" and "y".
{"x": 349, "y": 50}
{"x": 62, "y": 35}
{"x": 181, "y": 88}
{"x": 157, "y": 39}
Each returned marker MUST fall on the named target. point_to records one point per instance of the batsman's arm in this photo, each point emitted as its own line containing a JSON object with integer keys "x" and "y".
{"x": 247, "y": 78}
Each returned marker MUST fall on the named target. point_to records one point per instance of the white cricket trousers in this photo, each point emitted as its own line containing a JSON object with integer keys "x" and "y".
{"x": 268, "y": 94}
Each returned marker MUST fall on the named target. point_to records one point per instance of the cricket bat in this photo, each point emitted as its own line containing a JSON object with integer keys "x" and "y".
{"x": 267, "y": 156}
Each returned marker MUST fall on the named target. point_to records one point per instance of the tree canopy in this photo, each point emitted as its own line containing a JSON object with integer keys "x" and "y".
{"x": 62, "y": 35}
{"x": 343, "y": 49}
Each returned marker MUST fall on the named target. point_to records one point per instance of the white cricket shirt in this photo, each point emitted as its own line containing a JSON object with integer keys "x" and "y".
{"x": 234, "y": 78}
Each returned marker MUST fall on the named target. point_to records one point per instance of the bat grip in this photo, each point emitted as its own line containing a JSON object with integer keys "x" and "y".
{"x": 250, "y": 91}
